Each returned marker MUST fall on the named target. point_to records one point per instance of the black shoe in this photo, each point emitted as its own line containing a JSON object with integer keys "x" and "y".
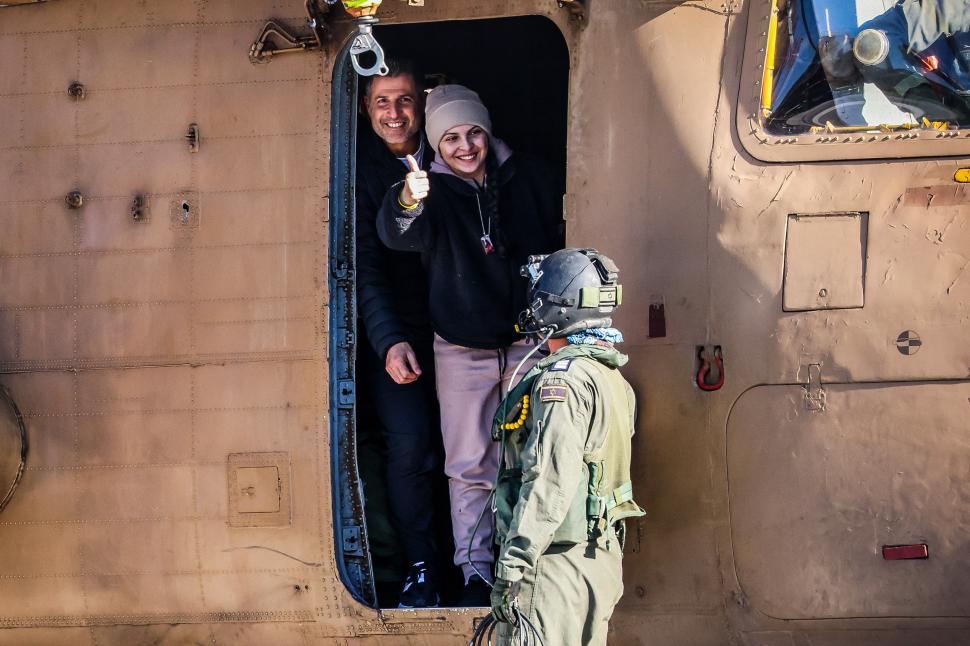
{"x": 419, "y": 588}
{"x": 477, "y": 594}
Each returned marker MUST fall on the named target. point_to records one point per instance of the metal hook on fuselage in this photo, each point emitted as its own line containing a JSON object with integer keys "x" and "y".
{"x": 364, "y": 13}
{"x": 710, "y": 374}
{"x": 365, "y": 42}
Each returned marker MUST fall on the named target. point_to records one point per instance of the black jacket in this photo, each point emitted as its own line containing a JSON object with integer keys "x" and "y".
{"x": 392, "y": 286}
{"x": 476, "y": 298}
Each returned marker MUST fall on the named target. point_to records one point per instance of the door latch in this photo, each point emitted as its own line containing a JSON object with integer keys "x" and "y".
{"x": 139, "y": 208}
{"x": 193, "y": 137}
{"x": 814, "y": 393}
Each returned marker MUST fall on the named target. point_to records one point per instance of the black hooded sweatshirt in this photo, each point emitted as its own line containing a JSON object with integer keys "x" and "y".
{"x": 475, "y": 298}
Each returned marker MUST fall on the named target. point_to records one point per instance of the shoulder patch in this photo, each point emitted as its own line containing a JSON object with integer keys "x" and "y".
{"x": 553, "y": 393}
{"x": 561, "y": 366}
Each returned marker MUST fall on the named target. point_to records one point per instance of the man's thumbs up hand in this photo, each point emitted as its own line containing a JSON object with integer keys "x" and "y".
{"x": 413, "y": 164}
{"x": 416, "y": 184}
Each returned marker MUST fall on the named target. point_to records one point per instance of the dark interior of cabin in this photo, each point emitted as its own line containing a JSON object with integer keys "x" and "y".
{"x": 520, "y": 68}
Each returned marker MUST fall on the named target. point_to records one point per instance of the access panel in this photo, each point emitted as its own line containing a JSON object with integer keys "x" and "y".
{"x": 818, "y": 494}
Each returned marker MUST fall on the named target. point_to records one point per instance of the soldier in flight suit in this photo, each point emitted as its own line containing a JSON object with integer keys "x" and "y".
{"x": 564, "y": 487}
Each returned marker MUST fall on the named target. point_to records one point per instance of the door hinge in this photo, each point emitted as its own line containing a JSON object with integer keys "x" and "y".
{"x": 352, "y": 543}
{"x": 345, "y": 393}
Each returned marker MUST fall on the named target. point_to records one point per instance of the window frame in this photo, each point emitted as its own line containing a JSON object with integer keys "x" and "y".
{"x": 766, "y": 147}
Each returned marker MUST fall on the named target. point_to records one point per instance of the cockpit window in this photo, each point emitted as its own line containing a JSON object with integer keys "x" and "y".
{"x": 847, "y": 66}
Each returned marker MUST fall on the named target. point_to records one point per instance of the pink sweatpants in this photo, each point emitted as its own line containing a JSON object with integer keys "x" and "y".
{"x": 471, "y": 384}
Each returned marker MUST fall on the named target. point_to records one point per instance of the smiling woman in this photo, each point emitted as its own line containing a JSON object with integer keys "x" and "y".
{"x": 464, "y": 149}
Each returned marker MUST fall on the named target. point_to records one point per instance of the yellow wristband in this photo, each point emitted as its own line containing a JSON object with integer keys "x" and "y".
{"x": 405, "y": 206}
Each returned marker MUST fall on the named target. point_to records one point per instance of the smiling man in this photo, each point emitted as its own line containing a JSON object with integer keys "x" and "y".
{"x": 395, "y": 364}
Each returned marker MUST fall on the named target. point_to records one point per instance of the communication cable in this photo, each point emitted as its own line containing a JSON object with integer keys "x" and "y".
{"x": 483, "y": 634}
{"x": 526, "y": 633}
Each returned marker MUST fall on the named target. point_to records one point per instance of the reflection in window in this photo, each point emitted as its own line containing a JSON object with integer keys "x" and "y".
{"x": 866, "y": 66}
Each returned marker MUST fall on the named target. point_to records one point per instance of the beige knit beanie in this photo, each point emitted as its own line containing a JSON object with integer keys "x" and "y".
{"x": 448, "y": 106}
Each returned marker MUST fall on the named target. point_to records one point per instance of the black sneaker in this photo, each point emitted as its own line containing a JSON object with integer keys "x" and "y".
{"x": 419, "y": 588}
{"x": 477, "y": 594}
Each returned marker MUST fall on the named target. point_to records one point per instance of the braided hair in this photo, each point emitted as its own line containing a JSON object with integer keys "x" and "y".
{"x": 491, "y": 203}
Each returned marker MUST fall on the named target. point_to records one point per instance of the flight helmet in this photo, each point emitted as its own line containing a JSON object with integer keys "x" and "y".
{"x": 570, "y": 290}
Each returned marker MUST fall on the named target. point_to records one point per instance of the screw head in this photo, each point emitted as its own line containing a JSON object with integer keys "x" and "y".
{"x": 74, "y": 200}
{"x": 76, "y": 91}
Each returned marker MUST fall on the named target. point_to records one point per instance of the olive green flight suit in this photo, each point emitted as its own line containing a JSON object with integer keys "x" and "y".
{"x": 563, "y": 492}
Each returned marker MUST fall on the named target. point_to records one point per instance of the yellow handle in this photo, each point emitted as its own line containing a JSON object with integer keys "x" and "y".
{"x": 360, "y": 8}
{"x": 768, "y": 78}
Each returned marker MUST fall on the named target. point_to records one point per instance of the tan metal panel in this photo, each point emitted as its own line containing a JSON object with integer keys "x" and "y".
{"x": 142, "y": 595}
{"x": 43, "y": 637}
{"x": 149, "y": 276}
{"x": 11, "y": 109}
{"x": 656, "y": 116}
{"x": 42, "y": 17}
{"x": 133, "y": 115}
{"x": 48, "y": 597}
{"x": 155, "y": 168}
{"x": 161, "y": 491}
{"x": 280, "y": 325}
{"x": 226, "y": 273}
{"x": 46, "y": 447}
{"x": 264, "y": 217}
{"x": 13, "y": 50}
{"x": 47, "y": 119}
{"x": 36, "y": 280}
{"x": 36, "y": 228}
{"x": 44, "y": 496}
{"x": 815, "y": 495}
{"x": 39, "y": 334}
{"x": 153, "y": 57}
{"x": 50, "y": 60}
{"x": 107, "y": 438}
{"x": 242, "y": 110}
{"x": 825, "y": 262}
{"x": 260, "y": 163}
{"x": 256, "y": 385}
{"x": 264, "y": 429}
{"x": 104, "y": 14}
{"x": 107, "y": 224}
{"x": 110, "y": 342}
{"x": 275, "y": 593}
{"x": 21, "y": 560}
{"x": 241, "y": 549}
{"x": 165, "y": 549}
{"x": 38, "y": 174}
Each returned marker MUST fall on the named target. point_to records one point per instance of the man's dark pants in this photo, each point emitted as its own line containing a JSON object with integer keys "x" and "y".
{"x": 409, "y": 418}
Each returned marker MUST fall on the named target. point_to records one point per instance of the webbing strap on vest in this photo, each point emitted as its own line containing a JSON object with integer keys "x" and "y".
{"x": 620, "y": 495}
{"x": 595, "y": 504}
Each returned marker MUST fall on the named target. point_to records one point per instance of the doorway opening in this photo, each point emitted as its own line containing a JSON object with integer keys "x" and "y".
{"x": 520, "y": 68}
